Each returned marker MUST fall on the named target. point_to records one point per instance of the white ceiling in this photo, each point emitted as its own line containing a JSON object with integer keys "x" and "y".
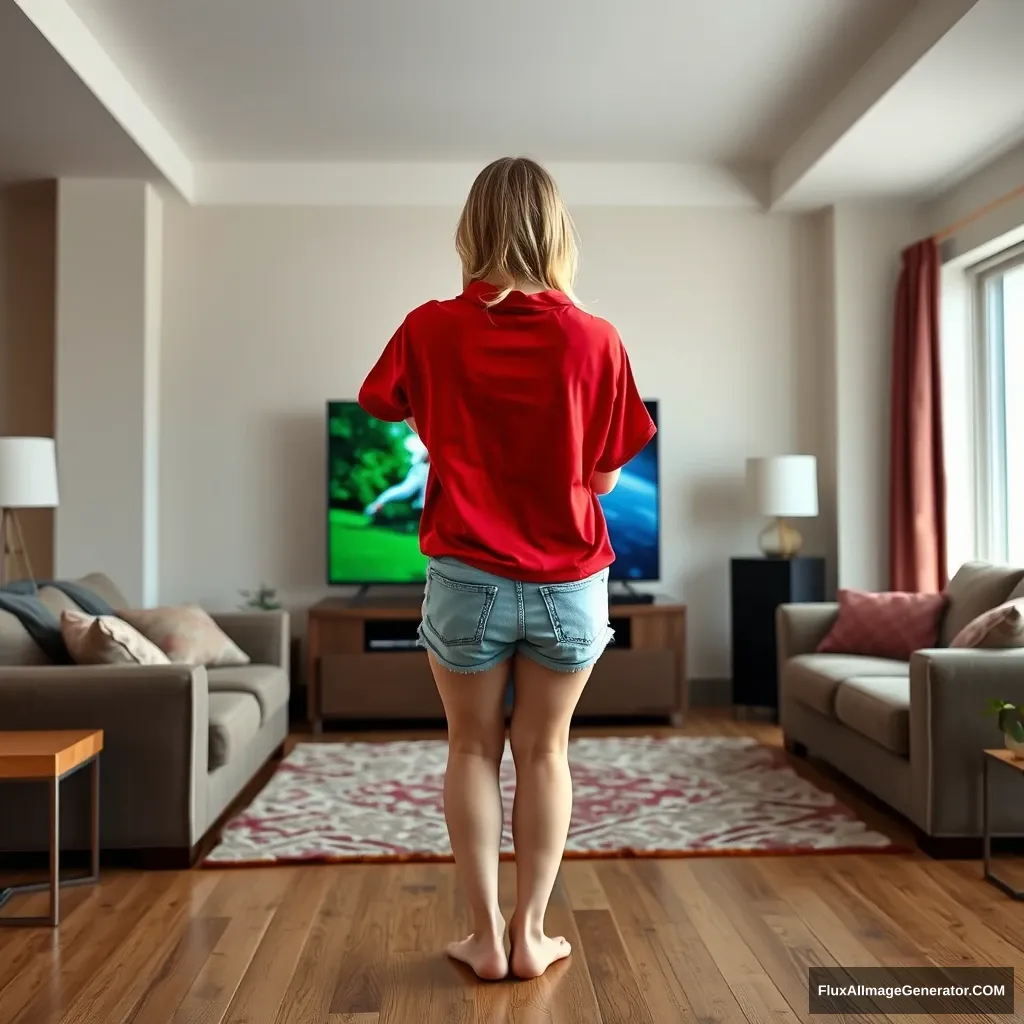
{"x": 775, "y": 102}
{"x": 580, "y": 80}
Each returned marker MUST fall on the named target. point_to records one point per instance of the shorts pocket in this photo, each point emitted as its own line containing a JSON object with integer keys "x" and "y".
{"x": 457, "y": 612}
{"x": 578, "y": 611}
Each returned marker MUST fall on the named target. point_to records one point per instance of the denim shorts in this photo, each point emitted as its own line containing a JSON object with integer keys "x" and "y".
{"x": 473, "y": 621}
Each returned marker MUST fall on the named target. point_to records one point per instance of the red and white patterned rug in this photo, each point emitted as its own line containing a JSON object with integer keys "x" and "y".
{"x": 634, "y": 797}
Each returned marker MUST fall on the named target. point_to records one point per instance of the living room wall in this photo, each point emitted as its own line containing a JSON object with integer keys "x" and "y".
{"x": 269, "y": 312}
{"x": 28, "y": 216}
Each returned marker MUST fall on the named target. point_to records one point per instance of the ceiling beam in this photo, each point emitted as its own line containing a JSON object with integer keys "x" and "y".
{"x": 926, "y": 24}
{"x": 443, "y": 183}
{"x": 67, "y": 34}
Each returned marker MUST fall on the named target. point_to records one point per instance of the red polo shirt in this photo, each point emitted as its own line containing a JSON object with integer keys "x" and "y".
{"x": 518, "y": 406}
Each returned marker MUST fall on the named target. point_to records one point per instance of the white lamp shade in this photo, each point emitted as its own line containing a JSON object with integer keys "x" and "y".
{"x": 28, "y": 472}
{"x": 784, "y": 485}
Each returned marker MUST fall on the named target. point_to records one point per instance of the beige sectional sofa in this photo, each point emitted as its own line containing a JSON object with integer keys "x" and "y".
{"x": 910, "y": 732}
{"x": 181, "y": 741}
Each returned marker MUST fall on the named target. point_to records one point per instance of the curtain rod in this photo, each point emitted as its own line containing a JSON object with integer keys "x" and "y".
{"x": 959, "y": 225}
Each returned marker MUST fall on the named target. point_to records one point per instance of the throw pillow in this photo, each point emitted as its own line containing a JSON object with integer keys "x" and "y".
{"x": 107, "y": 640}
{"x": 187, "y": 635}
{"x": 999, "y": 628}
{"x": 888, "y": 625}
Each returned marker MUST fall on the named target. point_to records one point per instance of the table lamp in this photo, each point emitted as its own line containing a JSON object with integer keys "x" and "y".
{"x": 28, "y": 479}
{"x": 783, "y": 487}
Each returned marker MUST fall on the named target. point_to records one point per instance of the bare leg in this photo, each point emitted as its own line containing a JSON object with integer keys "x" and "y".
{"x": 474, "y": 705}
{"x": 544, "y": 704}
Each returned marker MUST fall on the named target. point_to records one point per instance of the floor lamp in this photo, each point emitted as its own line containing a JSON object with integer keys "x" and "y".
{"x": 28, "y": 479}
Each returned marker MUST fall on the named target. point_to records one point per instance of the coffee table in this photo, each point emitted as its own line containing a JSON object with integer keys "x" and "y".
{"x": 994, "y": 758}
{"x": 52, "y": 757}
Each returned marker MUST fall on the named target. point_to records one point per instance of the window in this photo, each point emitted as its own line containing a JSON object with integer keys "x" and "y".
{"x": 999, "y": 374}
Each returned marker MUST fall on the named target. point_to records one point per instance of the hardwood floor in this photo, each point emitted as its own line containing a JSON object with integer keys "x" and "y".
{"x": 656, "y": 941}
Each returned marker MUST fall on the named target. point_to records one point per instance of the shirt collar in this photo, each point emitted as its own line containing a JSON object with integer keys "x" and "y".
{"x": 480, "y": 293}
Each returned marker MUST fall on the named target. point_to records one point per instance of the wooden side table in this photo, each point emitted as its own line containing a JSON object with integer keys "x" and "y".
{"x": 990, "y": 759}
{"x": 52, "y": 757}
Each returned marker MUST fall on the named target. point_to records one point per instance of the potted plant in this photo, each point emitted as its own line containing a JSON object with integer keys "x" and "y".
{"x": 263, "y": 599}
{"x": 1011, "y": 721}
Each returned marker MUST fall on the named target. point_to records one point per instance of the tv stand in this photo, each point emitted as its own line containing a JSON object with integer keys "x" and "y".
{"x": 630, "y": 596}
{"x": 363, "y": 663}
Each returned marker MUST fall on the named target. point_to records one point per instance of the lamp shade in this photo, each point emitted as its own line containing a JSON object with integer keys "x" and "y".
{"x": 784, "y": 485}
{"x": 28, "y": 472}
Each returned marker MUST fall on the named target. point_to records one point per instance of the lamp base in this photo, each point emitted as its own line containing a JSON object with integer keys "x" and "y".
{"x": 12, "y": 547}
{"x": 780, "y": 540}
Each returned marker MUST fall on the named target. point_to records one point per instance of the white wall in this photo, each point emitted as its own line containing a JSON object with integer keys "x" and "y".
{"x": 107, "y": 354}
{"x": 866, "y": 240}
{"x": 269, "y": 312}
{"x": 1001, "y": 225}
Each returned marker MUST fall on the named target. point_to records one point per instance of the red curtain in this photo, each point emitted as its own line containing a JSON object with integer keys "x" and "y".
{"x": 917, "y": 479}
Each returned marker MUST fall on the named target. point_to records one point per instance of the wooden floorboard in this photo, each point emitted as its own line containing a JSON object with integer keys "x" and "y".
{"x": 655, "y": 941}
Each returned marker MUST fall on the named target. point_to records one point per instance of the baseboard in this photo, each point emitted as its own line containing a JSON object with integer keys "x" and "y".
{"x": 710, "y": 693}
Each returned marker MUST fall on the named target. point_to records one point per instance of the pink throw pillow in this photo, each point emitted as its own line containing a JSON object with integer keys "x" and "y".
{"x": 187, "y": 635}
{"x": 888, "y": 625}
{"x": 1000, "y": 628}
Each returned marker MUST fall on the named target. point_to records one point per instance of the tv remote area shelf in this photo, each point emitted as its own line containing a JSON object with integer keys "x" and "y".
{"x": 362, "y": 664}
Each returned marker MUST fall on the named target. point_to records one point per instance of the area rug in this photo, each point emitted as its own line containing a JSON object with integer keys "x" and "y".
{"x": 634, "y": 797}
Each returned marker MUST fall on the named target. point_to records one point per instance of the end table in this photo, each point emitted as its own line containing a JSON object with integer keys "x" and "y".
{"x": 52, "y": 757}
{"x": 990, "y": 759}
{"x": 757, "y": 587}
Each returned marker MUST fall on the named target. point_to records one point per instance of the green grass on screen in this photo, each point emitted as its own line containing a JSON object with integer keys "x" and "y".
{"x": 363, "y": 552}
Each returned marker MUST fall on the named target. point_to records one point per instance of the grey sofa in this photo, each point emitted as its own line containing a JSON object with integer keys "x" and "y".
{"x": 181, "y": 742}
{"x": 911, "y": 732}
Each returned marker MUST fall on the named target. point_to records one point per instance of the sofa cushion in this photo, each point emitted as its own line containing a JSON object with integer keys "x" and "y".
{"x": 878, "y": 707}
{"x": 103, "y": 587}
{"x": 1018, "y": 592}
{"x": 814, "y": 678}
{"x": 234, "y": 723}
{"x": 267, "y": 683}
{"x": 977, "y": 587}
{"x": 16, "y": 644}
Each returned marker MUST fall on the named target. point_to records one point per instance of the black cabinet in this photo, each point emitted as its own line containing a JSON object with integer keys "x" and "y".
{"x": 758, "y": 587}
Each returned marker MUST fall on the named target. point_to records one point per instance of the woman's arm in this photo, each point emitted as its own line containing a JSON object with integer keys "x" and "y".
{"x": 604, "y": 483}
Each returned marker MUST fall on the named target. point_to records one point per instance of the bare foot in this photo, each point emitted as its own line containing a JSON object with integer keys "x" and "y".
{"x": 532, "y": 955}
{"x": 484, "y": 954}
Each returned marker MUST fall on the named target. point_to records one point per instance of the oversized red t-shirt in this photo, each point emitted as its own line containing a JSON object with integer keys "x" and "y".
{"x": 518, "y": 406}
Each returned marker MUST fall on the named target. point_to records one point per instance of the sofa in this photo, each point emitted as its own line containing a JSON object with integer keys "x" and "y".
{"x": 181, "y": 742}
{"x": 911, "y": 733}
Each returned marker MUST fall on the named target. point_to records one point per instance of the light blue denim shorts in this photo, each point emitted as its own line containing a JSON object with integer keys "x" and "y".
{"x": 473, "y": 621}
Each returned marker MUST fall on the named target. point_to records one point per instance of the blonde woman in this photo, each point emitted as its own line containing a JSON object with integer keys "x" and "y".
{"x": 528, "y": 408}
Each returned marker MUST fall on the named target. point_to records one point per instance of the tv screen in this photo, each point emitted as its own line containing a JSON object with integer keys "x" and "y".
{"x": 375, "y": 483}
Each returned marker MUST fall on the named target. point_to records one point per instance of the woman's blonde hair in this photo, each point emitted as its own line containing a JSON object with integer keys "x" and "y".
{"x": 515, "y": 229}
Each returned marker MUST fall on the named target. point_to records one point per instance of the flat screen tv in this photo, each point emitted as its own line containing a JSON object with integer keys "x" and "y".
{"x": 375, "y": 478}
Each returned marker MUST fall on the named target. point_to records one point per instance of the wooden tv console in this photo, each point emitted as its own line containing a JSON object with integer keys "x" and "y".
{"x": 359, "y": 665}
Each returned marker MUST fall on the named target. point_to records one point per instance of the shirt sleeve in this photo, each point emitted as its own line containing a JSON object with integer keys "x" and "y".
{"x": 385, "y": 393}
{"x": 630, "y": 426}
